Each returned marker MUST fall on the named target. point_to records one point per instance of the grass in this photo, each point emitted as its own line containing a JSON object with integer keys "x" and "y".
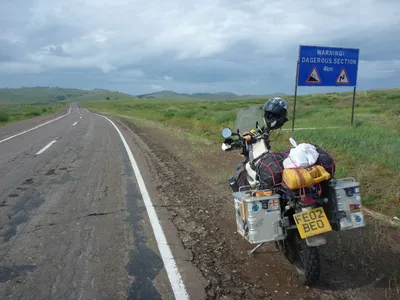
{"x": 368, "y": 151}
{"x": 10, "y": 112}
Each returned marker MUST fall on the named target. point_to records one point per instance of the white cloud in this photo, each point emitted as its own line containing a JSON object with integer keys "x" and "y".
{"x": 255, "y": 38}
{"x": 106, "y": 67}
{"x": 48, "y": 49}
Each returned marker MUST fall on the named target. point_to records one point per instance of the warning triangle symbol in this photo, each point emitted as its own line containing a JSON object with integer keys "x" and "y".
{"x": 314, "y": 76}
{"x": 342, "y": 78}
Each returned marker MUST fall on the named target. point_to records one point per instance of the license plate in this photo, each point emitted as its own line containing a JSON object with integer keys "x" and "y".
{"x": 312, "y": 222}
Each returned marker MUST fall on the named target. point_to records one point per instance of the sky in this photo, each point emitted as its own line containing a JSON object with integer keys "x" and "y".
{"x": 144, "y": 46}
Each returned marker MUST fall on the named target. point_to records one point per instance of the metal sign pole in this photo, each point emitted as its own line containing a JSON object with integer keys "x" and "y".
{"x": 295, "y": 95}
{"x": 354, "y": 102}
{"x": 295, "y": 89}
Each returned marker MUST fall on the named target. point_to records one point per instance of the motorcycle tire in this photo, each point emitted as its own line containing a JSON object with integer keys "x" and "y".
{"x": 304, "y": 259}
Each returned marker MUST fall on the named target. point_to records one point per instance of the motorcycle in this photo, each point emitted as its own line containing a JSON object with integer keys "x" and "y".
{"x": 296, "y": 218}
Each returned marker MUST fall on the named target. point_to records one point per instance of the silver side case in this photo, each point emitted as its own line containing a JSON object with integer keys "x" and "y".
{"x": 345, "y": 204}
{"x": 262, "y": 222}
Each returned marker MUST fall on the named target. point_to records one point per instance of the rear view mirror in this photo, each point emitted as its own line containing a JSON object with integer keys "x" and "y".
{"x": 226, "y": 132}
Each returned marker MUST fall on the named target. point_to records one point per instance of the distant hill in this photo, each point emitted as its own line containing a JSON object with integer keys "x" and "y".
{"x": 57, "y": 94}
{"x": 202, "y": 96}
{"x": 165, "y": 95}
{"x": 100, "y": 94}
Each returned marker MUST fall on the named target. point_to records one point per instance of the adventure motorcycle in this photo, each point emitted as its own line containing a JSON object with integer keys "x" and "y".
{"x": 294, "y": 208}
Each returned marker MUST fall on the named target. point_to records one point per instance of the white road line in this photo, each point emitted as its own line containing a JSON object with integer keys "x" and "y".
{"x": 79, "y": 111}
{"x": 74, "y": 123}
{"x": 174, "y": 276}
{"x": 46, "y": 147}
{"x": 48, "y": 122}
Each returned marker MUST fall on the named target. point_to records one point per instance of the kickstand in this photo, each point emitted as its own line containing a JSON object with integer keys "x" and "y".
{"x": 255, "y": 248}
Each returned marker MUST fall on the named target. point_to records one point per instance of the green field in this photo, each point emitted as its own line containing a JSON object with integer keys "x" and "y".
{"x": 368, "y": 151}
{"x": 11, "y": 112}
{"x": 56, "y": 94}
{"x": 27, "y": 102}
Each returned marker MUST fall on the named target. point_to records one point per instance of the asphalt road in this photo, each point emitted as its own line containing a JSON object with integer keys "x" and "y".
{"x": 73, "y": 222}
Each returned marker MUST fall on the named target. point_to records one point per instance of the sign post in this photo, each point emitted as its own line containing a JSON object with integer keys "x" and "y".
{"x": 326, "y": 66}
{"x": 295, "y": 96}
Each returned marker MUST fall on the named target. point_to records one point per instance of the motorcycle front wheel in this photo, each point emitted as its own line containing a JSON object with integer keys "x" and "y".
{"x": 304, "y": 259}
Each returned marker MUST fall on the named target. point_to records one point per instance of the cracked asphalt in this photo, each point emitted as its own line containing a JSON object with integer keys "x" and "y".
{"x": 73, "y": 224}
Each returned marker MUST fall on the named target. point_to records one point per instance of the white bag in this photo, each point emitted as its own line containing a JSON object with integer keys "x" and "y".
{"x": 301, "y": 156}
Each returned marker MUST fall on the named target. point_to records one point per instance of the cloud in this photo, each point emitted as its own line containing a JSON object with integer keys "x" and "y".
{"x": 132, "y": 73}
{"x": 156, "y": 87}
{"x": 14, "y": 67}
{"x": 378, "y": 68}
{"x": 225, "y": 45}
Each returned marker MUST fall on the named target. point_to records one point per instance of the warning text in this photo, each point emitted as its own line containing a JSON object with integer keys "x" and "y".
{"x": 328, "y": 60}
{"x": 330, "y": 52}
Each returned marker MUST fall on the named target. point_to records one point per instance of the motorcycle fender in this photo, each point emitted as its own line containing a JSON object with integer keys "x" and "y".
{"x": 315, "y": 241}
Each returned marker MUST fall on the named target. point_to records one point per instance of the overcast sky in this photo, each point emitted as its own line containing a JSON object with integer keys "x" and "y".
{"x": 140, "y": 46}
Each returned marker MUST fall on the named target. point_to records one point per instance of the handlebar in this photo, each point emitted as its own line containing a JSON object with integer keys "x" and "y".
{"x": 247, "y": 137}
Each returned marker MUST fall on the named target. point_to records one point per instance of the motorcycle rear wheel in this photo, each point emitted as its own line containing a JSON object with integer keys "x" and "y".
{"x": 304, "y": 259}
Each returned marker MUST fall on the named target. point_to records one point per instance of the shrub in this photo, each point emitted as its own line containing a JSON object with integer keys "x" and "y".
{"x": 3, "y": 117}
{"x": 33, "y": 113}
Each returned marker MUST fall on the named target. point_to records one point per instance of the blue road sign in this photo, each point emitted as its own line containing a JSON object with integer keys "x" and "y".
{"x": 327, "y": 66}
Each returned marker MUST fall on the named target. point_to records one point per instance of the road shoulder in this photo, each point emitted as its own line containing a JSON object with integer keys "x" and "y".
{"x": 194, "y": 280}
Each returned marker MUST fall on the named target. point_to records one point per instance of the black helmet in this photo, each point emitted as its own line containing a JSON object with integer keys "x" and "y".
{"x": 275, "y": 113}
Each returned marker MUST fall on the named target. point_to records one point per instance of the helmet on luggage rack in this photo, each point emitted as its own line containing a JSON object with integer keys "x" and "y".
{"x": 275, "y": 113}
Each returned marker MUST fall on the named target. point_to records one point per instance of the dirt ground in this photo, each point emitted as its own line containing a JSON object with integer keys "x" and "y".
{"x": 191, "y": 179}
